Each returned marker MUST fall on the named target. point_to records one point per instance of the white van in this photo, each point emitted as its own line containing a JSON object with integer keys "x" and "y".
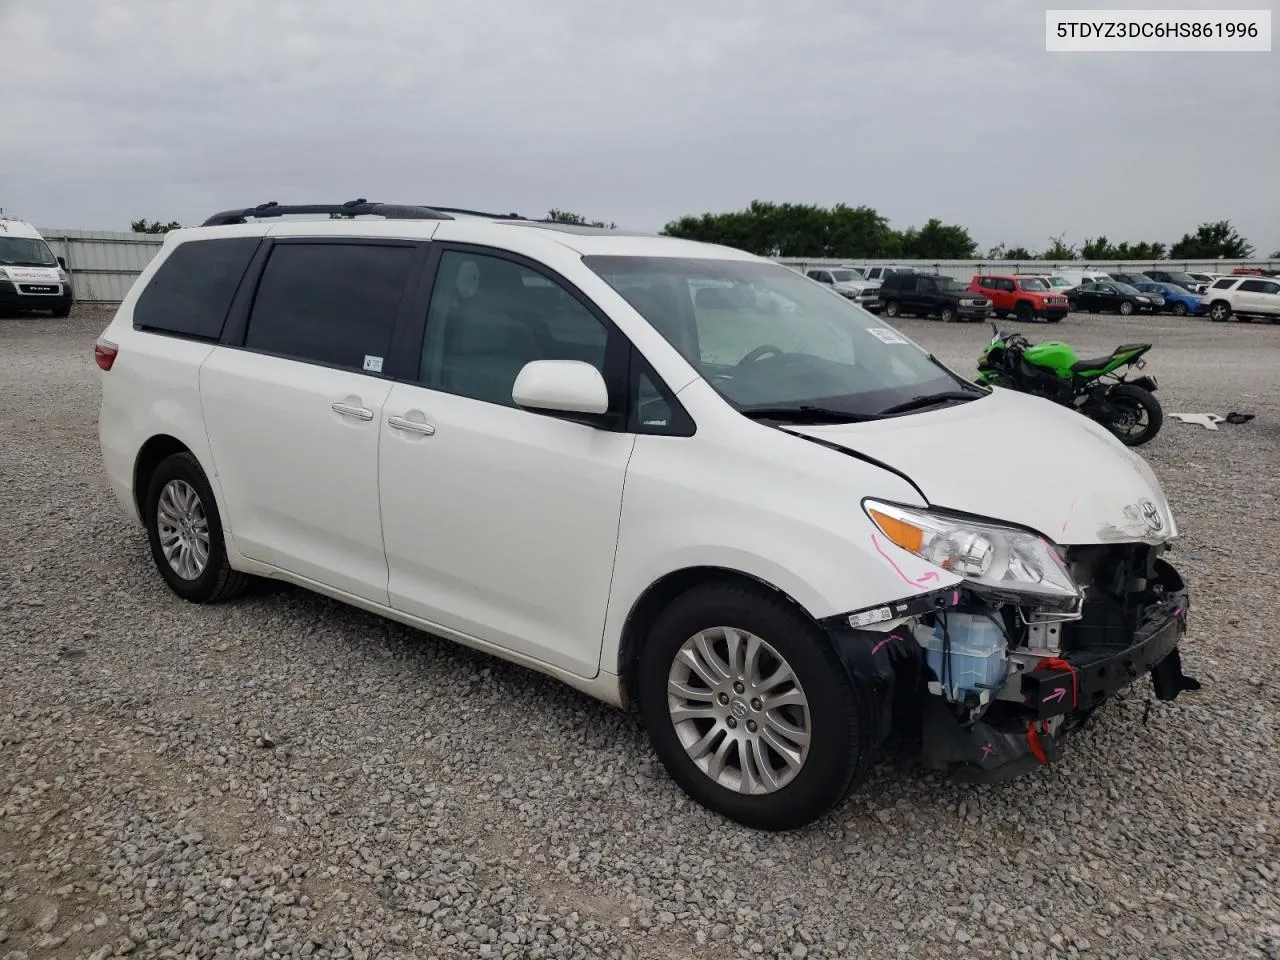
{"x": 1077, "y": 277}
{"x": 31, "y": 277}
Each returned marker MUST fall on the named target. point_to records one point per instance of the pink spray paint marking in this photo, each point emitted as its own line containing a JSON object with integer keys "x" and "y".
{"x": 876, "y": 648}
{"x": 924, "y": 578}
{"x": 988, "y": 749}
{"x": 1058, "y": 694}
{"x": 1070, "y": 510}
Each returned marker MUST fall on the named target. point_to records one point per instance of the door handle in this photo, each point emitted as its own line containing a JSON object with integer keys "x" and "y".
{"x": 351, "y": 410}
{"x": 411, "y": 426}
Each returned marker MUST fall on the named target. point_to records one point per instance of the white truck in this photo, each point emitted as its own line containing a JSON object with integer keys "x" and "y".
{"x": 31, "y": 277}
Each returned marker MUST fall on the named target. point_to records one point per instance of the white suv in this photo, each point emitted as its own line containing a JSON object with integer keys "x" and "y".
{"x": 673, "y": 475}
{"x": 1244, "y": 296}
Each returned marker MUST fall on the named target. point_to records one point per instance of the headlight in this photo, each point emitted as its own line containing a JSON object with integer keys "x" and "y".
{"x": 988, "y": 555}
{"x": 4, "y": 274}
{"x": 62, "y": 275}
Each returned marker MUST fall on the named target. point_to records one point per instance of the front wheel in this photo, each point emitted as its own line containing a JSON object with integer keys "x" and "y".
{"x": 1126, "y": 308}
{"x": 1025, "y": 313}
{"x": 749, "y": 708}
{"x": 891, "y": 308}
{"x": 1220, "y": 311}
{"x": 1179, "y": 309}
{"x": 948, "y": 314}
{"x": 1136, "y": 414}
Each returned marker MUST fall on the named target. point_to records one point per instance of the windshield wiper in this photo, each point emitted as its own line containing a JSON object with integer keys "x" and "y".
{"x": 802, "y": 413}
{"x": 927, "y": 400}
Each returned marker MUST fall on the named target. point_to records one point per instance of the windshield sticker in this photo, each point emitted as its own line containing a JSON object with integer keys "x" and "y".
{"x": 886, "y": 335}
{"x": 373, "y": 364}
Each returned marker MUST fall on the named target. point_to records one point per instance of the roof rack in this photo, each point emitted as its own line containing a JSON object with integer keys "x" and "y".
{"x": 352, "y": 208}
{"x": 478, "y": 213}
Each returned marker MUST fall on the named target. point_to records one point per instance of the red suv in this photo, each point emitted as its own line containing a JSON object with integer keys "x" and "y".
{"x": 1027, "y": 298}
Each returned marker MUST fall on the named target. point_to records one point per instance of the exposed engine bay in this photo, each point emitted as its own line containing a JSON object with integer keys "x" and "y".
{"x": 996, "y": 684}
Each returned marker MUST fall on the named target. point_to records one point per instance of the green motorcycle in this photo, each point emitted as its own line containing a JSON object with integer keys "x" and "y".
{"x": 1095, "y": 387}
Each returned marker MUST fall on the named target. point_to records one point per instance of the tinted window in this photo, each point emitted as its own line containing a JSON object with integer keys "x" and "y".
{"x": 1259, "y": 286}
{"x": 489, "y": 317}
{"x": 331, "y": 303}
{"x": 193, "y": 288}
{"x": 1223, "y": 284}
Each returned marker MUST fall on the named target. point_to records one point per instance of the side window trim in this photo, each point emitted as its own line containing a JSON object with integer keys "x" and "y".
{"x": 418, "y": 302}
{"x": 236, "y": 328}
{"x": 681, "y": 425}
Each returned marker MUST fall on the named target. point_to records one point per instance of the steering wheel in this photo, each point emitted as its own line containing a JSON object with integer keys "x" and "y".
{"x": 760, "y": 352}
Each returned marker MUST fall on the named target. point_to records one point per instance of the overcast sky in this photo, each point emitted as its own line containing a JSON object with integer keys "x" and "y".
{"x": 636, "y": 112}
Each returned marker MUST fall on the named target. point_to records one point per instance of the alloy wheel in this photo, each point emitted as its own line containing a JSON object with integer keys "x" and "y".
{"x": 183, "y": 528}
{"x": 739, "y": 710}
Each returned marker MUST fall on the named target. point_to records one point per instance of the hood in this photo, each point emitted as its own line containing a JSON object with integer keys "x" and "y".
{"x": 32, "y": 274}
{"x": 856, "y": 286}
{"x": 1020, "y": 459}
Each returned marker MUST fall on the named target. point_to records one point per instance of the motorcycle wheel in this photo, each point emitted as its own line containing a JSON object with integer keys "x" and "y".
{"x": 1138, "y": 415}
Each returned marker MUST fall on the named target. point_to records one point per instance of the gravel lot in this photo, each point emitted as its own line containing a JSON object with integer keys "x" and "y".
{"x": 286, "y": 777}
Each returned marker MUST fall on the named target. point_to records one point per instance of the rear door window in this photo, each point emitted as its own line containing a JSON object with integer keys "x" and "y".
{"x": 191, "y": 291}
{"x": 330, "y": 303}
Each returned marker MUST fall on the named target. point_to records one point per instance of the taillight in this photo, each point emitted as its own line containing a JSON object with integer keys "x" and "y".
{"x": 104, "y": 352}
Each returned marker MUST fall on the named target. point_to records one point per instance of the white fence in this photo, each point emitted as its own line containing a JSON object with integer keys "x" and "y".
{"x": 103, "y": 264}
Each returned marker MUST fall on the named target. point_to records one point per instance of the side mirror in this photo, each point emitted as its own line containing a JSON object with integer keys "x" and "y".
{"x": 561, "y": 386}
{"x": 62, "y": 263}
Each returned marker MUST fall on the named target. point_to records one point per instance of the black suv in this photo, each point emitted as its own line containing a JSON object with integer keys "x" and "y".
{"x": 930, "y": 294}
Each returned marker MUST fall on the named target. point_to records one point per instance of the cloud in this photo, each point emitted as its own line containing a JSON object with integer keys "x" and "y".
{"x": 116, "y": 109}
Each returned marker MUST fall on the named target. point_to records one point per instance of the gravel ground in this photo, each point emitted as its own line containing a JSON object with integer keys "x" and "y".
{"x": 286, "y": 777}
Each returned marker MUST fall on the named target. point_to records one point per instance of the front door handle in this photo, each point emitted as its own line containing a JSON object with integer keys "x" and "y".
{"x": 351, "y": 410}
{"x": 411, "y": 426}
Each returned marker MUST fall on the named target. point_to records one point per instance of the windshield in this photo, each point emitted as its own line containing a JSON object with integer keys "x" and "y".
{"x": 1033, "y": 283}
{"x": 843, "y": 276}
{"x": 948, "y": 285}
{"x": 1057, "y": 282}
{"x": 25, "y": 252}
{"x": 763, "y": 336}
{"x": 1124, "y": 287}
{"x": 1181, "y": 279}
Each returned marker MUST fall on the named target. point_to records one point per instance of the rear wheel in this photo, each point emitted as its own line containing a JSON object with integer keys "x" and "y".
{"x": 185, "y": 533}
{"x": 1137, "y": 415}
{"x": 891, "y": 308}
{"x": 749, "y": 708}
{"x": 1220, "y": 311}
{"x": 1179, "y": 309}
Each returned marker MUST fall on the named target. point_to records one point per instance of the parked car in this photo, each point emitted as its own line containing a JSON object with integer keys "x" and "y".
{"x": 1114, "y": 297}
{"x": 1076, "y": 277}
{"x": 1205, "y": 279}
{"x": 1244, "y": 296}
{"x": 1133, "y": 279}
{"x": 1184, "y": 280}
{"x": 848, "y": 282}
{"x": 601, "y": 457}
{"x": 880, "y": 272}
{"x": 1177, "y": 300}
{"x": 931, "y": 295}
{"x": 1027, "y": 298}
{"x": 32, "y": 278}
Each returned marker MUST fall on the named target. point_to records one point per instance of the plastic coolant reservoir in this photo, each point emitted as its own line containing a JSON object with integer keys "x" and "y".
{"x": 978, "y": 654}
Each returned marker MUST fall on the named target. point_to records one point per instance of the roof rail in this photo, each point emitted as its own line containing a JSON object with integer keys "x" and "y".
{"x": 352, "y": 208}
{"x": 478, "y": 213}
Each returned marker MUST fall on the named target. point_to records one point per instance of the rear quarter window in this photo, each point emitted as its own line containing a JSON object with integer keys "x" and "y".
{"x": 1224, "y": 284}
{"x": 191, "y": 291}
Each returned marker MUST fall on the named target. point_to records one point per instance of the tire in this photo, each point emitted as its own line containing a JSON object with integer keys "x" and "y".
{"x": 181, "y": 476}
{"x": 891, "y": 308}
{"x": 62, "y": 312}
{"x": 1025, "y": 313}
{"x": 1126, "y": 394}
{"x": 1179, "y": 309}
{"x": 838, "y": 752}
{"x": 948, "y": 314}
{"x": 1127, "y": 308}
{"x": 1219, "y": 311}
{"x": 1073, "y": 305}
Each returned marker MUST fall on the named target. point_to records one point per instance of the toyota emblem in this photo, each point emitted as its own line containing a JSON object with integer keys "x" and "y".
{"x": 1151, "y": 515}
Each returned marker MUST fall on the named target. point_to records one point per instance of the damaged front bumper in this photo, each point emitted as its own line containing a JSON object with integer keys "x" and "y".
{"x": 1046, "y": 693}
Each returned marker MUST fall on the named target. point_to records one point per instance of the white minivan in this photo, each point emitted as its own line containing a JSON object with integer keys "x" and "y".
{"x": 31, "y": 276}
{"x": 677, "y": 476}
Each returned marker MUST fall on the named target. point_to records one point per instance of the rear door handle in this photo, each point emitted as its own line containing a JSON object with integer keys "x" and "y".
{"x": 411, "y": 426}
{"x": 351, "y": 410}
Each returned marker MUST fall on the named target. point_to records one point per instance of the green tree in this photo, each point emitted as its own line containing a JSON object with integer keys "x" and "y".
{"x": 1097, "y": 249}
{"x": 154, "y": 226}
{"x": 567, "y": 216}
{"x": 1211, "y": 241}
{"x": 1139, "y": 251}
{"x": 797, "y": 230}
{"x": 1059, "y": 249}
{"x": 1001, "y": 252}
{"x": 1275, "y": 255}
{"x": 938, "y": 241}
